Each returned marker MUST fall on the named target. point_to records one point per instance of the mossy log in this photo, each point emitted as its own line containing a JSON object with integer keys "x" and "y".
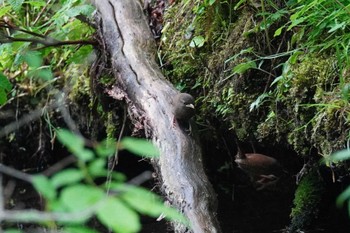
{"x": 139, "y": 82}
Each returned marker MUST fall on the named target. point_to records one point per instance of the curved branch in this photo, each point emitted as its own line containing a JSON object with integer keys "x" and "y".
{"x": 149, "y": 95}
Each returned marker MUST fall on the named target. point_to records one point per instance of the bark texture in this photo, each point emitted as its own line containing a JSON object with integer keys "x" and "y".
{"x": 139, "y": 82}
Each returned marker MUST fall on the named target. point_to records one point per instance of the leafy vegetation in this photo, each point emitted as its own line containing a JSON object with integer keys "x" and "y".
{"x": 273, "y": 72}
{"x": 262, "y": 79}
{"x": 46, "y": 48}
{"x": 307, "y": 199}
{"x": 118, "y": 210}
{"x": 277, "y": 72}
{"x": 338, "y": 158}
{"x": 32, "y": 37}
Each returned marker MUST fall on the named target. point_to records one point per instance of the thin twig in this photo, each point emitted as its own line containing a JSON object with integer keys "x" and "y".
{"x": 41, "y": 12}
{"x": 60, "y": 165}
{"x": 32, "y": 116}
{"x": 2, "y": 203}
{"x": 48, "y": 42}
{"x": 15, "y": 173}
{"x": 114, "y": 161}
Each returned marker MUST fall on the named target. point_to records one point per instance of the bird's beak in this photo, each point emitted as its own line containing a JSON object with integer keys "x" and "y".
{"x": 189, "y": 106}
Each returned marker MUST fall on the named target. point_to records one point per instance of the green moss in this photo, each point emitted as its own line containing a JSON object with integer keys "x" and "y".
{"x": 183, "y": 22}
{"x": 303, "y": 109}
{"x": 110, "y": 126}
{"x": 306, "y": 202}
{"x": 306, "y": 108}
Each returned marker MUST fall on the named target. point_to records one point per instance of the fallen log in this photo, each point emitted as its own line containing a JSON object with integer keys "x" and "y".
{"x": 128, "y": 41}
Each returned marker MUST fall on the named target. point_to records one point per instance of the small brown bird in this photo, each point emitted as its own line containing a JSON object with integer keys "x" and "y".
{"x": 183, "y": 107}
{"x": 263, "y": 170}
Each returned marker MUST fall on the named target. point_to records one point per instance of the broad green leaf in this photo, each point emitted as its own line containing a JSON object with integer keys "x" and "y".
{"x": 106, "y": 148}
{"x": 211, "y": 2}
{"x": 197, "y": 42}
{"x": 4, "y": 10}
{"x": 75, "y": 144}
{"x": 33, "y": 59}
{"x": 43, "y": 185}
{"x": 294, "y": 58}
{"x": 243, "y": 67}
{"x": 346, "y": 92}
{"x": 5, "y": 83}
{"x": 296, "y": 22}
{"x": 3, "y": 97}
{"x": 114, "y": 214}
{"x": 345, "y": 195}
{"x": 36, "y": 3}
{"x": 139, "y": 147}
{"x": 67, "y": 176}
{"x": 16, "y": 4}
{"x": 12, "y": 231}
{"x": 86, "y": 10}
{"x": 81, "y": 56}
{"x": 148, "y": 203}
{"x": 97, "y": 167}
{"x": 69, "y": 139}
{"x": 44, "y": 73}
{"x": 80, "y": 197}
{"x": 78, "y": 229}
{"x": 119, "y": 177}
{"x": 85, "y": 155}
{"x": 340, "y": 156}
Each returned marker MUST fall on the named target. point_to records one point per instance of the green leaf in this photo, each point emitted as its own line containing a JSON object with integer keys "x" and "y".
{"x": 295, "y": 22}
{"x": 346, "y": 92}
{"x": 258, "y": 101}
{"x": 345, "y": 195}
{"x": 69, "y": 139}
{"x": 119, "y": 177}
{"x": 148, "y": 203}
{"x": 44, "y": 73}
{"x": 97, "y": 168}
{"x": 43, "y": 185}
{"x": 243, "y": 67}
{"x": 5, "y": 87}
{"x": 33, "y": 59}
{"x": 12, "y": 231}
{"x": 80, "y": 197}
{"x": 36, "y": 3}
{"x": 340, "y": 156}
{"x": 140, "y": 147}
{"x": 294, "y": 58}
{"x": 239, "y": 4}
{"x": 78, "y": 229}
{"x": 16, "y": 4}
{"x": 75, "y": 144}
{"x": 81, "y": 56}
{"x": 106, "y": 148}
{"x": 337, "y": 26}
{"x": 197, "y": 42}
{"x": 116, "y": 215}
{"x": 86, "y": 10}
{"x": 211, "y": 2}
{"x": 5, "y": 83}
{"x": 3, "y": 97}
{"x": 278, "y": 31}
{"x": 67, "y": 176}
{"x": 276, "y": 80}
{"x": 4, "y": 10}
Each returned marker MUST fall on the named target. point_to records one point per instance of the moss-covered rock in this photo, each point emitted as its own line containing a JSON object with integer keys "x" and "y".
{"x": 306, "y": 202}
